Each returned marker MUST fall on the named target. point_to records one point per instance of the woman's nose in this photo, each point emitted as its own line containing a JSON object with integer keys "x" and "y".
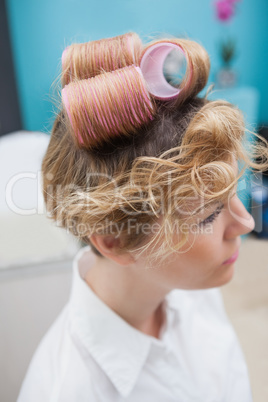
{"x": 240, "y": 220}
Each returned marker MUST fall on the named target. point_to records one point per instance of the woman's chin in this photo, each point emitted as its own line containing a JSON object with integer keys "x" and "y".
{"x": 228, "y": 273}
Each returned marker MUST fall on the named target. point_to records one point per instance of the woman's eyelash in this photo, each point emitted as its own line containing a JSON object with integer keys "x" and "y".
{"x": 213, "y": 216}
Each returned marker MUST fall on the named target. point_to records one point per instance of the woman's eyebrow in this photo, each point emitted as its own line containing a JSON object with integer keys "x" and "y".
{"x": 215, "y": 204}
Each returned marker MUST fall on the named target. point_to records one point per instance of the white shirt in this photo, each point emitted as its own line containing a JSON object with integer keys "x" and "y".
{"x": 90, "y": 354}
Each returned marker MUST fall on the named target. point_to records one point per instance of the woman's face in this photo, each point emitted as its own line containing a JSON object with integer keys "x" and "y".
{"x": 201, "y": 263}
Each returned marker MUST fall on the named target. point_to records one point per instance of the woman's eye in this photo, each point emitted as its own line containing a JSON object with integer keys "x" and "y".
{"x": 213, "y": 216}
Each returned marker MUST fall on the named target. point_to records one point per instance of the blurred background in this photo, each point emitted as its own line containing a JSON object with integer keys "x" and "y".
{"x": 36, "y": 256}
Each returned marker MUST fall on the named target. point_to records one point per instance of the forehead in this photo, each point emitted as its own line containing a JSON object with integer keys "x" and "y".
{"x": 234, "y": 164}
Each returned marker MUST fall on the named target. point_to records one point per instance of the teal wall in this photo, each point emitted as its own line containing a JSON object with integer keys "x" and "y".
{"x": 40, "y": 30}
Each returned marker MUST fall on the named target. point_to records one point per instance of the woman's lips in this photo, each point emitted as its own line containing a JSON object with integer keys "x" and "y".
{"x": 233, "y": 258}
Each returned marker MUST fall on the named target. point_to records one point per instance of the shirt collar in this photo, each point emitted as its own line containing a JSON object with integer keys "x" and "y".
{"x": 119, "y": 349}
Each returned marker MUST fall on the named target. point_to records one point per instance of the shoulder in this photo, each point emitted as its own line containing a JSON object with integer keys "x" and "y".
{"x": 48, "y": 361}
{"x": 61, "y": 370}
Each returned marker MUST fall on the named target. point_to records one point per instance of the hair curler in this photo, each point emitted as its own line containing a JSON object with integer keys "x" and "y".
{"x": 152, "y": 64}
{"x": 108, "y": 105}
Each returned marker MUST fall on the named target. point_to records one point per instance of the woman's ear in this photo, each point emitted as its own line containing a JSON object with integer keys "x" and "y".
{"x": 108, "y": 246}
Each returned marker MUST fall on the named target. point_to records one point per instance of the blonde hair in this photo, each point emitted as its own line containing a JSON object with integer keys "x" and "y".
{"x": 111, "y": 158}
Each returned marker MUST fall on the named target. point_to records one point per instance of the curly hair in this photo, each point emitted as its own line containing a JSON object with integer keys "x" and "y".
{"x": 139, "y": 182}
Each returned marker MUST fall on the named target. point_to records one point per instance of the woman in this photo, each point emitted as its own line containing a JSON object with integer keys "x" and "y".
{"x": 145, "y": 173}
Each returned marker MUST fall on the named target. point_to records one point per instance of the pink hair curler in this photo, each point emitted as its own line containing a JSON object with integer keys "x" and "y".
{"x": 152, "y": 63}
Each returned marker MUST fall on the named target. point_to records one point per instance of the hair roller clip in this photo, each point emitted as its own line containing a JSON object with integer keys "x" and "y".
{"x": 152, "y": 64}
{"x": 108, "y": 105}
{"x": 86, "y": 60}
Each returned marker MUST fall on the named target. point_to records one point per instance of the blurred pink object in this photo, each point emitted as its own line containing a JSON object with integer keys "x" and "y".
{"x": 224, "y": 9}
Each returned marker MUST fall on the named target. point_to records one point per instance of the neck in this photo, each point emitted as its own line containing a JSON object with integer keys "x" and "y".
{"x": 131, "y": 292}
